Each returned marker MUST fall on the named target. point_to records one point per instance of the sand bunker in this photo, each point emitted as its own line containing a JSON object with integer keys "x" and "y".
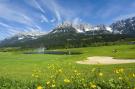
{"x": 105, "y": 60}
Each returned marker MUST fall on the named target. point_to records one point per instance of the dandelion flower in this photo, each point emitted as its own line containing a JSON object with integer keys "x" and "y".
{"x": 133, "y": 74}
{"x": 60, "y": 70}
{"x": 120, "y": 78}
{"x": 121, "y": 70}
{"x": 100, "y": 74}
{"x": 66, "y": 80}
{"x": 48, "y": 82}
{"x": 53, "y": 85}
{"x": 39, "y": 87}
{"x": 117, "y": 71}
{"x": 92, "y": 85}
{"x": 33, "y": 75}
{"x": 75, "y": 71}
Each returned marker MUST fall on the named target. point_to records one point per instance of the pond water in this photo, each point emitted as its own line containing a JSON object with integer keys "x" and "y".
{"x": 55, "y": 52}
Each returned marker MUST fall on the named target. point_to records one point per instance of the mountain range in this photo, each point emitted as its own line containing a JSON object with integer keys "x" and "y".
{"x": 126, "y": 27}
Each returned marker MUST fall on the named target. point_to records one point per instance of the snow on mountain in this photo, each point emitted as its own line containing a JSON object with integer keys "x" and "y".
{"x": 22, "y": 37}
{"x": 109, "y": 29}
{"x": 126, "y": 26}
{"x": 64, "y": 28}
{"x": 88, "y": 27}
{"x": 83, "y": 27}
{"x": 30, "y": 35}
{"x": 80, "y": 28}
{"x": 33, "y": 33}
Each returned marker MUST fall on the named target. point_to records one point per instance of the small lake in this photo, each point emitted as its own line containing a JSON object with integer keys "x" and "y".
{"x": 55, "y": 52}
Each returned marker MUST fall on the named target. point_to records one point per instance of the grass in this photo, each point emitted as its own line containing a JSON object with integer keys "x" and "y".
{"x": 18, "y": 66}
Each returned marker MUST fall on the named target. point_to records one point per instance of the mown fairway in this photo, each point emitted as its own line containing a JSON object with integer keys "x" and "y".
{"x": 18, "y": 66}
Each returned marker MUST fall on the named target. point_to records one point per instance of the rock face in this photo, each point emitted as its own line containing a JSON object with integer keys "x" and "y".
{"x": 64, "y": 28}
{"x": 82, "y": 28}
{"x": 124, "y": 26}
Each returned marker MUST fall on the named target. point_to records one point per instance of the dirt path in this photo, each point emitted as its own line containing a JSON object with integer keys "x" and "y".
{"x": 105, "y": 60}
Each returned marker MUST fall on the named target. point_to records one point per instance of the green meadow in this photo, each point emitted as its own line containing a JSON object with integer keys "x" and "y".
{"x": 47, "y": 71}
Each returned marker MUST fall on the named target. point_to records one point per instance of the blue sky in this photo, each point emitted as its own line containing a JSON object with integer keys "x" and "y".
{"x": 42, "y": 15}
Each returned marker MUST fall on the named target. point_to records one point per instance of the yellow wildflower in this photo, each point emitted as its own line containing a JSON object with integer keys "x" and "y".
{"x": 120, "y": 78}
{"x": 66, "y": 80}
{"x": 92, "y": 85}
{"x": 100, "y": 74}
{"x": 53, "y": 85}
{"x": 116, "y": 71}
{"x": 33, "y": 75}
{"x": 75, "y": 71}
{"x": 39, "y": 87}
{"x": 48, "y": 82}
{"x": 60, "y": 70}
{"x": 134, "y": 75}
{"x": 121, "y": 70}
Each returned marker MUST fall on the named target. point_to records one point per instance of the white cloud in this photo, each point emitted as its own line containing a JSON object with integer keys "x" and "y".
{"x": 5, "y": 25}
{"x": 53, "y": 6}
{"x": 39, "y": 6}
{"x": 44, "y": 19}
{"x": 61, "y": 13}
{"x": 35, "y": 4}
{"x": 14, "y": 14}
{"x": 9, "y": 14}
{"x": 58, "y": 11}
{"x": 9, "y": 29}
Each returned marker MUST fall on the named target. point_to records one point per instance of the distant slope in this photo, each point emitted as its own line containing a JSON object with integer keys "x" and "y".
{"x": 21, "y": 38}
